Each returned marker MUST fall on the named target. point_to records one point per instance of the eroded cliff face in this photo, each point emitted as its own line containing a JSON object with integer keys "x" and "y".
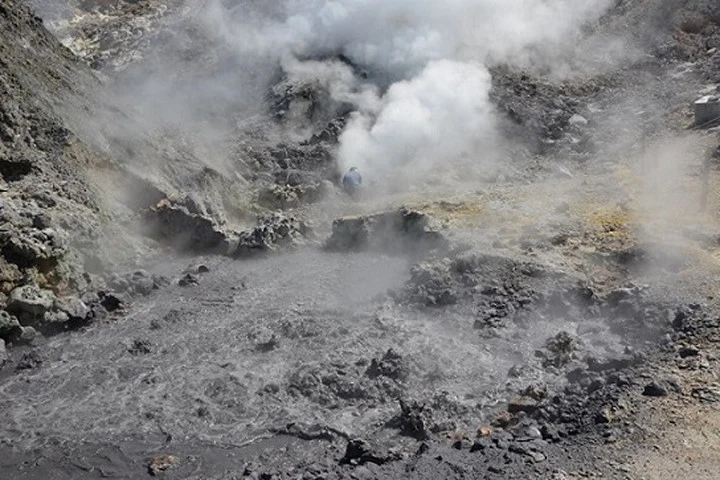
{"x": 51, "y": 212}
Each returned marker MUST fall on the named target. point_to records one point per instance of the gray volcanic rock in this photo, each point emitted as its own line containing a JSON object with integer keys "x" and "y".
{"x": 9, "y": 326}
{"x": 402, "y": 230}
{"x": 73, "y": 307}
{"x": 272, "y": 232}
{"x": 31, "y": 300}
{"x": 184, "y": 229}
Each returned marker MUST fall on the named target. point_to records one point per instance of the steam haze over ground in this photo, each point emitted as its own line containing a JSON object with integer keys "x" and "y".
{"x": 415, "y": 75}
{"x": 536, "y": 227}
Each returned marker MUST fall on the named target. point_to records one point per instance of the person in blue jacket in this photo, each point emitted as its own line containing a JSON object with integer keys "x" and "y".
{"x": 351, "y": 182}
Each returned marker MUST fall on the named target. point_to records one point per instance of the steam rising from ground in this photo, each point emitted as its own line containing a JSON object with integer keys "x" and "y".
{"x": 437, "y": 117}
{"x": 414, "y": 73}
{"x": 424, "y": 99}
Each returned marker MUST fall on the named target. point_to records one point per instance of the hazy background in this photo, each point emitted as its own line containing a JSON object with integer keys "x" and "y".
{"x": 415, "y": 75}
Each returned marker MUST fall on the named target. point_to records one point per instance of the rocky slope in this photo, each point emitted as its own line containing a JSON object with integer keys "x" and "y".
{"x": 52, "y": 215}
{"x": 519, "y": 328}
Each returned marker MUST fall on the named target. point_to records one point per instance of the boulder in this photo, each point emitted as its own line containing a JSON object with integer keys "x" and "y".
{"x": 578, "y": 121}
{"x": 196, "y": 269}
{"x": 401, "y": 230}
{"x": 9, "y": 275}
{"x": 273, "y": 231}
{"x": 31, "y": 360}
{"x": 142, "y": 282}
{"x": 139, "y": 282}
{"x": 560, "y": 350}
{"x": 160, "y": 463}
{"x": 32, "y": 246}
{"x": 54, "y": 317}
{"x": 360, "y": 452}
{"x": 3, "y": 353}
{"x": 655, "y": 389}
{"x": 185, "y": 230}
{"x": 28, "y": 334}
{"x": 414, "y": 420}
{"x": 356, "y": 449}
{"x": 112, "y": 301}
{"x": 189, "y": 279}
{"x": 391, "y": 365}
{"x": 73, "y": 307}
{"x": 9, "y": 326}
{"x": 30, "y": 299}
{"x": 523, "y": 405}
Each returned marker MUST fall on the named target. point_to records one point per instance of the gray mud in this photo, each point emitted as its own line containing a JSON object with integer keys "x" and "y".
{"x": 307, "y": 344}
{"x": 314, "y": 364}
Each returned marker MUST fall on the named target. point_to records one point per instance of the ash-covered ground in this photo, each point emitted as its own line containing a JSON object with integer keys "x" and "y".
{"x": 524, "y": 288}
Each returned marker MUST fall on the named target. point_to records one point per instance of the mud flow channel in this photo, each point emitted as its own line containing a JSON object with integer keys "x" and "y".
{"x": 306, "y": 338}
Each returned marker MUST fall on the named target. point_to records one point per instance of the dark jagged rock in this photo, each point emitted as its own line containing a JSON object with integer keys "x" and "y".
{"x": 415, "y": 420}
{"x": 188, "y": 280}
{"x": 499, "y": 287}
{"x": 30, "y": 300}
{"x": 540, "y": 111}
{"x": 142, "y": 282}
{"x": 560, "y": 350}
{"x": 140, "y": 346}
{"x": 137, "y": 283}
{"x": 272, "y": 232}
{"x": 9, "y": 326}
{"x": 434, "y": 286}
{"x": 689, "y": 351}
{"x": 654, "y": 389}
{"x": 30, "y": 361}
{"x": 175, "y": 224}
{"x": 32, "y": 246}
{"x": 111, "y": 301}
{"x": 309, "y": 432}
{"x": 359, "y": 451}
{"x": 391, "y": 365}
{"x": 73, "y": 307}
{"x": 197, "y": 269}
{"x": 398, "y": 231}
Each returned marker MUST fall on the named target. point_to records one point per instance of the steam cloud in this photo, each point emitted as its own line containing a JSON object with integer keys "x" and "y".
{"x": 426, "y": 99}
{"x": 416, "y": 74}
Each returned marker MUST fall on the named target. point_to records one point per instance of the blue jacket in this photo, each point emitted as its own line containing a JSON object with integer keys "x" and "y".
{"x": 352, "y": 179}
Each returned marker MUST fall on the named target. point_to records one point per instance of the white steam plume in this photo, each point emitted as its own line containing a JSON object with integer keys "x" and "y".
{"x": 441, "y": 115}
{"x": 430, "y": 58}
{"x": 422, "y": 101}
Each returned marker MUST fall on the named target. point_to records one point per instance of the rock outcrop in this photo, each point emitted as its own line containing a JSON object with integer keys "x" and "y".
{"x": 400, "y": 231}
